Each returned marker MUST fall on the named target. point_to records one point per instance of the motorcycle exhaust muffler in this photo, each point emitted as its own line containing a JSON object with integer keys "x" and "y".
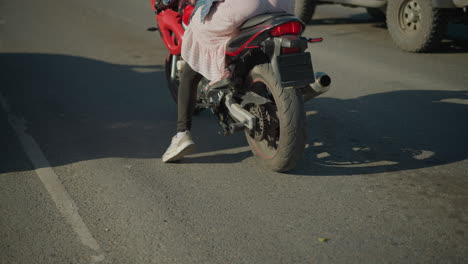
{"x": 321, "y": 85}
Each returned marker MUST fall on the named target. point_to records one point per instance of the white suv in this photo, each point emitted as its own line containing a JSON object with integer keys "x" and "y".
{"x": 414, "y": 25}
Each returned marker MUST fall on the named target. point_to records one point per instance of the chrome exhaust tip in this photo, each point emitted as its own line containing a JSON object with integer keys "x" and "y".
{"x": 322, "y": 82}
{"x": 321, "y": 85}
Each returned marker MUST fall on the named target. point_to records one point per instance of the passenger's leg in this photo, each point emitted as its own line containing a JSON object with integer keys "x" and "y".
{"x": 186, "y": 99}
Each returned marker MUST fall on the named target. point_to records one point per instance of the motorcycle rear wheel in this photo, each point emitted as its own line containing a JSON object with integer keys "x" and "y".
{"x": 287, "y": 108}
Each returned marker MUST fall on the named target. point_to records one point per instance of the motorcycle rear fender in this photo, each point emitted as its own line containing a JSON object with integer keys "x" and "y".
{"x": 255, "y": 30}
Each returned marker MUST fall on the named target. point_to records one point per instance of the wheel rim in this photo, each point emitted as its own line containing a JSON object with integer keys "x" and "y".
{"x": 410, "y": 16}
{"x": 266, "y": 142}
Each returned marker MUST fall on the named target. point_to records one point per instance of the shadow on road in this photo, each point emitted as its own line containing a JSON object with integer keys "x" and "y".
{"x": 384, "y": 132}
{"x": 81, "y": 109}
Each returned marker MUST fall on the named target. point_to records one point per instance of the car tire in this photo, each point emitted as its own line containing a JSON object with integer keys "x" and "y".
{"x": 415, "y": 25}
{"x": 305, "y": 9}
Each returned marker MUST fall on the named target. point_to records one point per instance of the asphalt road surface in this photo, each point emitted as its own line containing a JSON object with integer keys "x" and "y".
{"x": 86, "y": 115}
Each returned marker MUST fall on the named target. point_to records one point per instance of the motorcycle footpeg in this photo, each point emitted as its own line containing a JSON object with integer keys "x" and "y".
{"x": 218, "y": 86}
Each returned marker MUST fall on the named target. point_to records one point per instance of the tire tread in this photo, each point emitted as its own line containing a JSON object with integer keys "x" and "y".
{"x": 306, "y": 9}
{"x": 292, "y": 123}
{"x": 432, "y": 37}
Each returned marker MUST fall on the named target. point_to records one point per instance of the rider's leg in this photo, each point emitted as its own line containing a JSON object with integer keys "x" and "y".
{"x": 182, "y": 143}
{"x": 186, "y": 99}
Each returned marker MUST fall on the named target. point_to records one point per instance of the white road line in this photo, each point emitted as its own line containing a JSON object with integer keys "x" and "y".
{"x": 52, "y": 183}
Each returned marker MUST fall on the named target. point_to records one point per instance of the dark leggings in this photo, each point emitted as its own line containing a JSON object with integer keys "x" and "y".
{"x": 186, "y": 99}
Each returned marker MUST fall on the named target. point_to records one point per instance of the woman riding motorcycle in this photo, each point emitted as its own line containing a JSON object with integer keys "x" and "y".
{"x": 213, "y": 24}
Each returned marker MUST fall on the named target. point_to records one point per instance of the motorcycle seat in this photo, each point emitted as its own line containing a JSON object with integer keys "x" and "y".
{"x": 260, "y": 19}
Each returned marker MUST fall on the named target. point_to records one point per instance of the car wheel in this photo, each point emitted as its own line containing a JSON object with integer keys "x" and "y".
{"x": 415, "y": 25}
{"x": 305, "y": 9}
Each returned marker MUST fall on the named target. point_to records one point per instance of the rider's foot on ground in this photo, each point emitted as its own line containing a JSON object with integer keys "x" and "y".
{"x": 181, "y": 145}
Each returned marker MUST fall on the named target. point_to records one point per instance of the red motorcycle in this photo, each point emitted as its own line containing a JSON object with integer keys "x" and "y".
{"x": 272, "y": 77}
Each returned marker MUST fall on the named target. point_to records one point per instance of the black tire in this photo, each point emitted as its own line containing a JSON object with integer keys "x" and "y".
{"x": 376, "y": 13}
{"x": 173, "y": 85}
{"x": 291, "y": 116}
{"x": 421, "y": 36}
{"x": 305, "y": 9}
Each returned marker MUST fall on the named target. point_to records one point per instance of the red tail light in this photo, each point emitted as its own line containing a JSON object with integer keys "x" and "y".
{"x": 291, "y": 28}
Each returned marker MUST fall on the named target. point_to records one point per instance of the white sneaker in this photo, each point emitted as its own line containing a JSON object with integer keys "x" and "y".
{"x": 180, "y": 146}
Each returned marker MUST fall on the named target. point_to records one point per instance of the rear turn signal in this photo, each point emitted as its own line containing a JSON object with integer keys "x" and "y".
{"x": 291, "y": 28}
